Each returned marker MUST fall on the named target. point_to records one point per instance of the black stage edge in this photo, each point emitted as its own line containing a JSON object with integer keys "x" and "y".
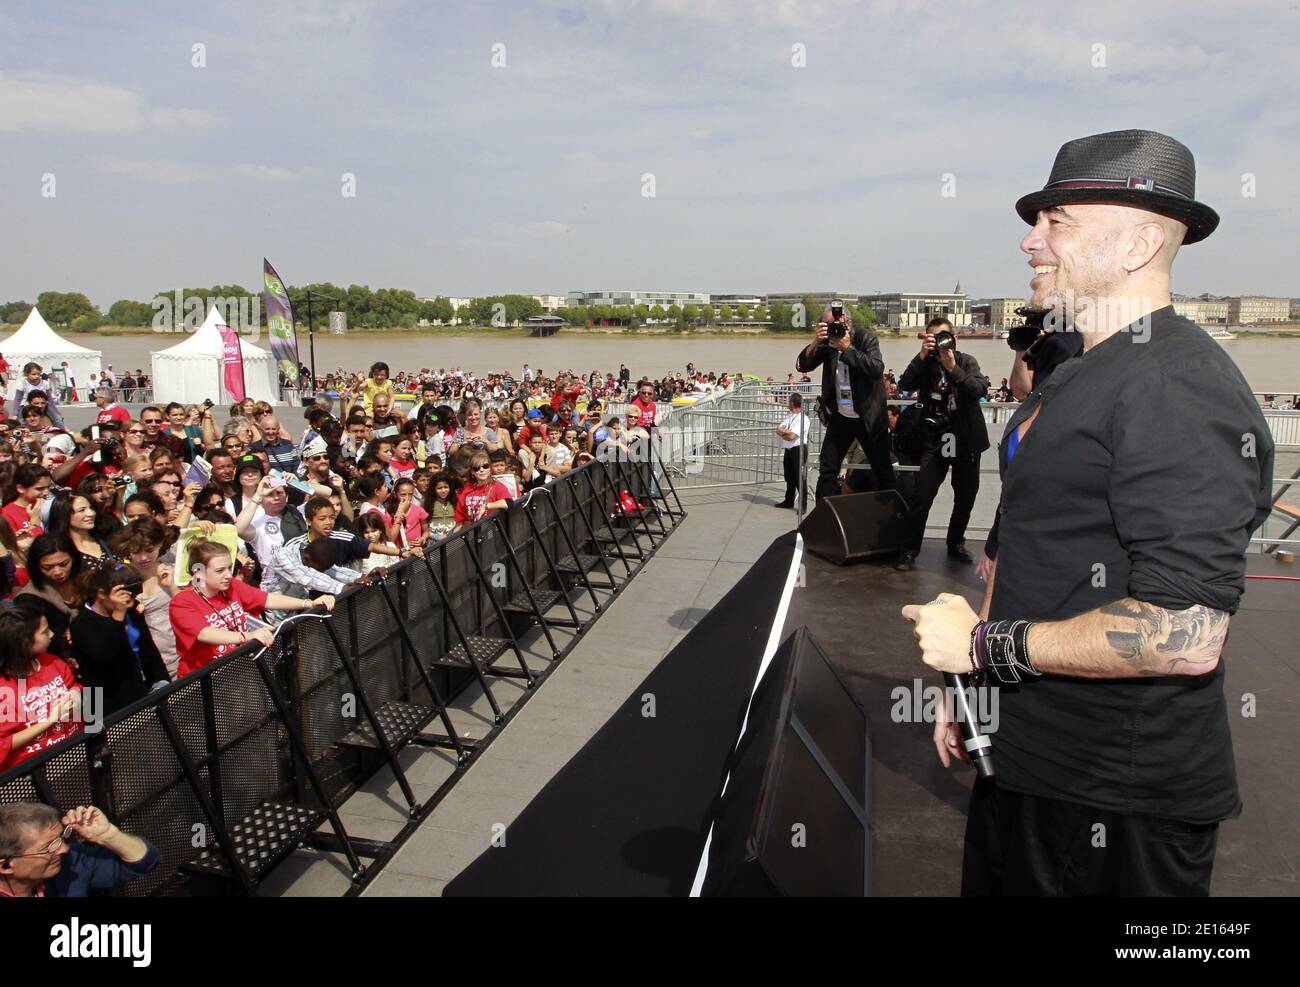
{"x": 628, "y": 814}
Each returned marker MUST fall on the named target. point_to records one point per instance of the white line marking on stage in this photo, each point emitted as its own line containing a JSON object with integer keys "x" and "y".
{"x": 773, "y": 642}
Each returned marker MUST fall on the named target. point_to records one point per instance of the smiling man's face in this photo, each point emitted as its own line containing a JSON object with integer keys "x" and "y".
{"x": 1075, "y": 247}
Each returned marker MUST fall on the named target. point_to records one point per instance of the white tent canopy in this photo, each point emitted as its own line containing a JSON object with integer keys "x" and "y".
{"x": 37, "y": 342}
{"x": 192, "y": 370}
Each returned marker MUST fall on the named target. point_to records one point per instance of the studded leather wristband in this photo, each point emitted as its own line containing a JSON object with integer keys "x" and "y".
{"x": 1002, "y": 648}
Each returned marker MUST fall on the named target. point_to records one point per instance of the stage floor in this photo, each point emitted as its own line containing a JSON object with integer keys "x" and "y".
{"x": 919, "y": 807}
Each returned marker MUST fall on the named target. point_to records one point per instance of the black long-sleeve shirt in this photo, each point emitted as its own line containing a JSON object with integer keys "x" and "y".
{"x": 106, "y": 660}
{"x": 1144, "y": 475}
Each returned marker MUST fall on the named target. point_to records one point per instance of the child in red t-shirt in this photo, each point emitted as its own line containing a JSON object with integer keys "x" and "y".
{"x": 210, "y": 617}
{"x": 482, "y": 495}
{"x": 40, "y": 700}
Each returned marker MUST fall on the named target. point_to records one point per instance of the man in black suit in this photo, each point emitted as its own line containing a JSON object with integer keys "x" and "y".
{"x": 852, "y": 399}
{"x": 948, "y": 386}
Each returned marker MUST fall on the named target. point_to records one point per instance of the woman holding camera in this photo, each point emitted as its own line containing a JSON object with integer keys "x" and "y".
{"x": 111, "y": 641}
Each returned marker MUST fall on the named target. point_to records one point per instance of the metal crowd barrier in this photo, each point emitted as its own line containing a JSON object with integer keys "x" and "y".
{"x": 232, "y": 768}
{"x": 731, "y": 442}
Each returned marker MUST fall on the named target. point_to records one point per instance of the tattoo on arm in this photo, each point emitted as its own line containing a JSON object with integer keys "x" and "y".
{"x": 1157, "y": 641}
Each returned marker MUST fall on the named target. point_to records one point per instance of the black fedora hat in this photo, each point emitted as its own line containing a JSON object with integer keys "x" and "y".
{"x": 1138, "y": 168}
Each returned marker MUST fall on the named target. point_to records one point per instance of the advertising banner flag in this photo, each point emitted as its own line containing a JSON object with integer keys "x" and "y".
{"x": 279, "y": 323}
{"x": 232, "y": 363}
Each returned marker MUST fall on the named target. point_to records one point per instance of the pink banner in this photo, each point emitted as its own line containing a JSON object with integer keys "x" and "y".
{"x": 232, "y": 362}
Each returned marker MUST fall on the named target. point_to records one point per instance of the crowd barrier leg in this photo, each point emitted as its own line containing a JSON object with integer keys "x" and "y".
{"x": 513, "y": 603}
{"x": 372, "y": 718}
{"x": 615, "y": 537}
{"x": 342, "y": 841}
{"x": 485, "y": 585}
{"x": 553, "y": 567}
{"x": 464, "y": 654}
{"x": 453, "y": 740}
{"x": 600, "y": 556}
{"x": 211, "y": 811}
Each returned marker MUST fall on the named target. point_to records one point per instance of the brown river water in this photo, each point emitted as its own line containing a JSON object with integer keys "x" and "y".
{"x": 1269, "y": 364}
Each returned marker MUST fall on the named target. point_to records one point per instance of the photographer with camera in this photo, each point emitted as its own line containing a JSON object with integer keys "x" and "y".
{"x": 951, "y": 432}
{"x": 852, "y": 402}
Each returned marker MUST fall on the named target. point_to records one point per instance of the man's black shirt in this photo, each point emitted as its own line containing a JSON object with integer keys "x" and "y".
{"x": 1146, "y": 471}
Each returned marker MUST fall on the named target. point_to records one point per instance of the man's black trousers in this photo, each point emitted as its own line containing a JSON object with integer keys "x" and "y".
{"x": 790, "y": 467}
{"x": 932, "y": 468}
{"x": 1026, "y": 845}
{"x": 836, "y": 439}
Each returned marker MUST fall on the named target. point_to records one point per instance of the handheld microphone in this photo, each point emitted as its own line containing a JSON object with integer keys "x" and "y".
{"x": 978, "y": 745}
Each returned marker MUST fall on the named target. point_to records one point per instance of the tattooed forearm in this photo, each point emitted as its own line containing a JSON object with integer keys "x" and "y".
{"x": 1129, "y": 639}
{"x": 1156, "y": 641}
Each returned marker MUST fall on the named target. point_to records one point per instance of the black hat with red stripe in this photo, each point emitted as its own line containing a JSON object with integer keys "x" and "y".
{"x": 1139, "y": 168}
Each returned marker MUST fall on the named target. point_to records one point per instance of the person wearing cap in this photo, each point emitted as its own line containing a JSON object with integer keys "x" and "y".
{"x": 852, "y": 398}
{"x": 1132, "y": 480}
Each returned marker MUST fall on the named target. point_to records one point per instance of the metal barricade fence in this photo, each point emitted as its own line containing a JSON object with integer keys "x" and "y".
{"x": 231, "y": 768}
{"x": 731, "y": 441}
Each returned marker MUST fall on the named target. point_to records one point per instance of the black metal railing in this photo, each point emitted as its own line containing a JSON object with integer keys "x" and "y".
{"x": 232, "y": 768}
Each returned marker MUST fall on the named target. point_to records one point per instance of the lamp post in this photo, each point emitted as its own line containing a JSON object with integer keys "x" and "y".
{"x": 311, "y": 331}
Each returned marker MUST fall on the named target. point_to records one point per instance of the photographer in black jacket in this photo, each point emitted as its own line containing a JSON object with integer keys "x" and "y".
{"x": 852, "y": 398}
{"x": 951, "y": 432}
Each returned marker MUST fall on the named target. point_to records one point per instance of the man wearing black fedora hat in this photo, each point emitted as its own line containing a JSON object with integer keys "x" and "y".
{"x": 1132, "y": 480}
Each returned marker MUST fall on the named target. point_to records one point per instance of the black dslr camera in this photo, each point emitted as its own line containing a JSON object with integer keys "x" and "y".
{"x": 835, "y": 329}
{"x": 1019, "y": 337}
{"x": 944, "y": 340}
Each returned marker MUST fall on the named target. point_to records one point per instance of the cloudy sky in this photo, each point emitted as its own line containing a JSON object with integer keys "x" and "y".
{"x": 528, "y": 175}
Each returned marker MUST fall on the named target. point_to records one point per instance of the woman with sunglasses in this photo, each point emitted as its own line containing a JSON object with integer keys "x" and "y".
{"x": 133, "y": 439}
{"x": 481, "y": 495}
{"x": 39, "y": 694}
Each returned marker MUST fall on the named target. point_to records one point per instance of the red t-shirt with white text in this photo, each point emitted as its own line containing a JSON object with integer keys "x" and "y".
{"x": 113, "y": 413}
{"x": 26, "y": 701}
{"x": 647, "y": 412}
{"x": 190, "y": 613}
{"x": 472, "y": 501}
{"x": 22, "y": 523}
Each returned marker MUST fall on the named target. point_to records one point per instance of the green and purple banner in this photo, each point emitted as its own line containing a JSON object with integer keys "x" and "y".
{"x": 279, "y": 323}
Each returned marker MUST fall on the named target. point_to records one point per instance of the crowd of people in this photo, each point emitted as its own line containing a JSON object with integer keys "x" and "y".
{"x": 142, "y": 548}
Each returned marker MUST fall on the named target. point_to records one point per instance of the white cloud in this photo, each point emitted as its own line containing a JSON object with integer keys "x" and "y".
{"x": 545, "y": 230}
{"x": 170, "y": 172}
{"x": 183, "y": 119}
{"x": 36, "y": 102}
{"x": 42, "y": 102}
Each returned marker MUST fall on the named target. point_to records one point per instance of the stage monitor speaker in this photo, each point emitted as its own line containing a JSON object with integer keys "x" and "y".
{"x": 794, "y": 818}
{"x": 853, "y": 527}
